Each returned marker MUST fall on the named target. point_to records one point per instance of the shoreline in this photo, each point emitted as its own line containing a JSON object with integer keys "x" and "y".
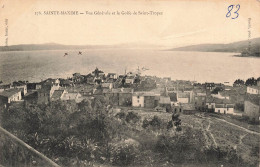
{"x": 246, "y": 56}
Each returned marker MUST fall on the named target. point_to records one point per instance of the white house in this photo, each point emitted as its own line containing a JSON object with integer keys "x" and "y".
{"x": 129, "y": 79}
{"x": 138, "y": 99}
{"x": 10, "y": 95}
{"x": 145, "y": 99}
{"x": 224, "y": 108}
{"x": 71, "y": 96}
{"x": 107, "y": 85}
{"x": 112, "y": 75}
{"x": 183, "y": 97}
{"x": 253, "y": 90}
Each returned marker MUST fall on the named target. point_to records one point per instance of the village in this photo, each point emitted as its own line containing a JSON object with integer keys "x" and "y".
{"x": 120, "y": 120}
{"x": 139, "y": 92}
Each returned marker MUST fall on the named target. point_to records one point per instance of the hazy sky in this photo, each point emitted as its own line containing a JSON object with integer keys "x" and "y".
{"x": 182, "y": 22}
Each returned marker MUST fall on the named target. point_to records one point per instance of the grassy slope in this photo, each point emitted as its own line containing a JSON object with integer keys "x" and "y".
{"x": 215, "y": 133}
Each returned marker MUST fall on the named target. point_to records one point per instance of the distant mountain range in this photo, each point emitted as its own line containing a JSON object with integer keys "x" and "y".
{"x": 55, "y": 46}
{"x": 48, "y": 46}
{"x": 236, "y": 47}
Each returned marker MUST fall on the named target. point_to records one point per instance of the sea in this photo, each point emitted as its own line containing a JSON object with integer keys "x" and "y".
{"x": 34, "y": 66}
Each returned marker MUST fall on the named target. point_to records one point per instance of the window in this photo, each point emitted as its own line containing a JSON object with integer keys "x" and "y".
{"x": 138, "y": 97}
{"x": 218, "y": 111}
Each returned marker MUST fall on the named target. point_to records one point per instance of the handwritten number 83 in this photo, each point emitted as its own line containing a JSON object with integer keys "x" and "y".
{"x": 230, "y": 8}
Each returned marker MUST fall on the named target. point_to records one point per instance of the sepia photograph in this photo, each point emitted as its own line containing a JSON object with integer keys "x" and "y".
{"x": 131, "y": 83}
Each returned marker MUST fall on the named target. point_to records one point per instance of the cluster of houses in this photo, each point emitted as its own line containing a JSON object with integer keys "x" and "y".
{"x": 133, "y": 90}
{"x": 94, "y": 84}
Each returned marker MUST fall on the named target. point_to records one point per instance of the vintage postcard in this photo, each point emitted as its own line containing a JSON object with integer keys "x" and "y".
{"x": 130, "y": 83}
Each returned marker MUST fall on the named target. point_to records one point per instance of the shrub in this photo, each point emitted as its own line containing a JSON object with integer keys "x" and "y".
{"x": 121, "y": 115}
{"x": 124, "y": 156}
{"x": 146, "y": 123}
{"x": 184, "y": 148}
{"x": 156, "y": 122}
{"x": 132, "y": 117}
{"x": 169, "y": 125}
{"x": 216, "y": 90}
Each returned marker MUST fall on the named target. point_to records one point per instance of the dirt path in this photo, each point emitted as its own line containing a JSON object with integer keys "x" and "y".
{"x": 206, "y": 132}
{"x": 211, "y": 135}
{"x": 240, "y": 140}
{"x": 240, "y": 127}
{"x": 241, "y": 137}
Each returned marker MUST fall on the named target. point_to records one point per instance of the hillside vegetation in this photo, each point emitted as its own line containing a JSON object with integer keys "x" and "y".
{"x": 87, "y": 134}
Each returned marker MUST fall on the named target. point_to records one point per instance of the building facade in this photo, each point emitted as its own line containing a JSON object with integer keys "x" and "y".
{"x": 253, "y": 90}
{"x": 224, "y": 108}
{"x": 10, "y": 95}
{"x": 252, "y": 109}
{"x": 145, "y": 99}
{"x": 200, "y": 101}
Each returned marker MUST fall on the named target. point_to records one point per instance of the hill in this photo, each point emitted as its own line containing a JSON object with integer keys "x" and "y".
{"x": 48, "y": 46}
{"x": 236, "y": 47}
{"x": 55, "y": 46}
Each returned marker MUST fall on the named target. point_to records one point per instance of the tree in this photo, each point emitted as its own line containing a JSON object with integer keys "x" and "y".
{"x": 137, "y": 80}
{"x": 146, "y": 123}
{"x": 239, "y": 82}
{"x": 97, "y": 71}
{"x": 216, "y": 90}
{"x": 85, "y": 106}
{"x": 123, "y": 81}
{"x": 156, "y": 122}
{"x": 132, "y": 117}
{"x": 251, "y": 81}
{"x": 177, "y": 121}
{"x": 121, "y": 115}
{"x": 124, "y": 156}
{"x": 169, "y": 125}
